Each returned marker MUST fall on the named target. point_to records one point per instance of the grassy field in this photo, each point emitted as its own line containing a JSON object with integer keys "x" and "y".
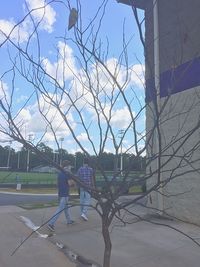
{"x": 50, "y": 179}
{"x": 43, "y": 178}
{"x": 28, "y": 178}
{"x": 32, "y": 190}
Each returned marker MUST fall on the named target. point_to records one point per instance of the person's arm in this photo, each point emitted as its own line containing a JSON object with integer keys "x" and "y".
{"x": 70, "y": 181}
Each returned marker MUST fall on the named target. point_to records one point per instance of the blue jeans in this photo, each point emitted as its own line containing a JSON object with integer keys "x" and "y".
{"x": 84, "y": 201}
{"x": 63, "y": 206}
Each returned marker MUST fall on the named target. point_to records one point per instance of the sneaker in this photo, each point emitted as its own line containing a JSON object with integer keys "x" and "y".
{"x": 71, "y": 222}
{"x": 51, "y": 227}
{"x": 84, "y": 217}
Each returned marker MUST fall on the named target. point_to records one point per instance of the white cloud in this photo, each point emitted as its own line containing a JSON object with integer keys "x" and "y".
{"x": 4, "y": 92}
{"x": 25, "y": 115}
{"x": 101, "y": 87}
{"x": 45, "y": 13}
{"x": 117, "y": 70}
{"x": 20, "y": 33}
{"x": 82, "y": 137}
{"x": 102, "y": 80}
{"x": 33, "y": 122}
{"x": 133, "y": 75}
{"x": 121, "y": 118}
{"x": 17, "y": 33}
{"x": 22, "y": 98}
{"x": 64, "y": 68}
{"x": 137, "y": 75}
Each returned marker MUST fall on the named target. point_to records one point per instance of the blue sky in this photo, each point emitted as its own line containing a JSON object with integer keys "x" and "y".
{"x": 50, "y": 31}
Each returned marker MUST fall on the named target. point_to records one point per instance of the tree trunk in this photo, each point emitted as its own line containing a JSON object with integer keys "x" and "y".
{"x": 107, "y": 243}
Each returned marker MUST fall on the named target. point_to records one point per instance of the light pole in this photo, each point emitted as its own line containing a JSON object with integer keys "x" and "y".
{"x": 75, "y": 161}
{"x": 28, "y": 160}
{"x": 121, "y": 132}
{"x": 121, "y": 160}
{"x": 9, "y": 150}
{"x": 28, "y": 153}
{"x": 18, "y": 160}
{"x": 55, "y": 157}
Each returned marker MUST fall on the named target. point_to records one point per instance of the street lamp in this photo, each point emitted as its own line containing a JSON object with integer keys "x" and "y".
{"x": 18, "y": 160}
{"x": 9, "y": 150}
{"x": 75, "y": 159}
{"x": 121, "y": 133}
{"x": 55, "y": 157}
{"x": 28, "y": 154}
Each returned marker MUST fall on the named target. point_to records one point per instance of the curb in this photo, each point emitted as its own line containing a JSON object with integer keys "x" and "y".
{"x": 72, "y": 255}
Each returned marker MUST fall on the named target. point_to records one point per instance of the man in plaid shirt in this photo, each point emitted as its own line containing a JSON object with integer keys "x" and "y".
{"x": 86, "y": 175}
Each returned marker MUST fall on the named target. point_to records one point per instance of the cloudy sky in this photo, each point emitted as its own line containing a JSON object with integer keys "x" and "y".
{"x": 53, "y": 47}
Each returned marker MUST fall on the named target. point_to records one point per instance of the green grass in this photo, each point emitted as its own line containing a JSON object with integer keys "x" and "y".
{"x": 44, "y": 178}
{"x": 135, "y": 189}
{"x": 51, "y": 178}
{"x": 133, "y": 174}
{"x": 35, "y": 178}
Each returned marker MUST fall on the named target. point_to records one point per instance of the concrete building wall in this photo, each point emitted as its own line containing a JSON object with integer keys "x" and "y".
{"x": 179, "y": 36}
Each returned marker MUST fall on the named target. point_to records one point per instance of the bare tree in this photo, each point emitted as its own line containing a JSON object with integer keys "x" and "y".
{"x": 86, "y": 91}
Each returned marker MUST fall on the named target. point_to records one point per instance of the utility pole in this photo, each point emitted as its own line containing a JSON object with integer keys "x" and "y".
{"x": 18, "y": 160}
{"x": 55, "y": 157}
{"x": 28, "y": 153}
{"x": 9, "y": 150}
{"x": 121, "y": 132}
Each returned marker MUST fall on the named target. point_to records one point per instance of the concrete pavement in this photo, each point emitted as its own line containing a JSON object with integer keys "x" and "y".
{"x": 34, "y": 252}
{"x": 137, "y": 245}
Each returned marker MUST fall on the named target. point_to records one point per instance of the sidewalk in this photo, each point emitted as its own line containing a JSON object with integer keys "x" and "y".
{"x": 34, "y": 252}
{"x": 136, "y": 245}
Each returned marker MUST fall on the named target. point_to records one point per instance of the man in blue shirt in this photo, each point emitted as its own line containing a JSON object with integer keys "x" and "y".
{"x": 86, "y": 175}
{"x": 63, "y": 194}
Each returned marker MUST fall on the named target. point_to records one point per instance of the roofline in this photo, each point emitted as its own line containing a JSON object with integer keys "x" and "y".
{"x": 137, "y": 3}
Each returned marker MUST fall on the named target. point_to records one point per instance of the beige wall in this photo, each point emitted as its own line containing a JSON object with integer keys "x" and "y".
{"x": 179, "y": 43}
{"x": 181, "y": 150}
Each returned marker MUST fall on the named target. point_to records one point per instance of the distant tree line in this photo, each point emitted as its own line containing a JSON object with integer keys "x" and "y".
{"x": 20, "y": 160}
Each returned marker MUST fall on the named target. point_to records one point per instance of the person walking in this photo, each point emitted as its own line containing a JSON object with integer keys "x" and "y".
{"x": 63, "y": 183}
{"x": 86, "y": 175}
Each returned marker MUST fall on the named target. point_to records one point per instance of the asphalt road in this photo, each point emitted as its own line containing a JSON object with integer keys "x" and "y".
{"x": 17, "y": 199}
